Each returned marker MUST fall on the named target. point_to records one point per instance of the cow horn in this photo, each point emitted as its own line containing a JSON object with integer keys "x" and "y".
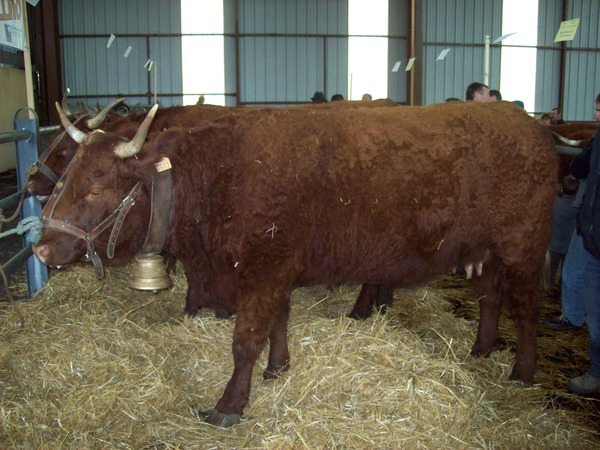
{"x": 65, "y": 105}
{"x": 76, "y": 134}
{"x": 95, "y": 122}
{"x": 132, "y": 148}
{"x": 564, "y": 140}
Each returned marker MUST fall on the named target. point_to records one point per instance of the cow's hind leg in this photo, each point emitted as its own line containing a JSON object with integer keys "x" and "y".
{"x": 385, "y": 296}
{"x": 279, "y": 355}
{"x": 524, "y": 307}
{"x": 521, "y": 290}
{"x": 372, "y": 295}
{"x": 490, "y": 304}
{"x": 364, "y": 302}
{"x": 253, "y": 326}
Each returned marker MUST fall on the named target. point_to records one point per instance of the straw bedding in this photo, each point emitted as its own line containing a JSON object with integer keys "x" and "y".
{"x": 97, "y": 365}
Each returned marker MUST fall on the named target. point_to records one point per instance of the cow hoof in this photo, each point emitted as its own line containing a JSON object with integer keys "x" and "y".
{"x": 191, "y": 311}
{"x": 274, "y": 373}
{"x": 479, "y": 353}
{"x": 515, "y": 375}
{"x": 222, "y": 314}
{"x": 219, "y": 419}
{"x": 359, "y": 315}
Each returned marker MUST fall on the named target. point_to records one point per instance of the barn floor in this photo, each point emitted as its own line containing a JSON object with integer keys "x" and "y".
{"x": 50, "y": 399}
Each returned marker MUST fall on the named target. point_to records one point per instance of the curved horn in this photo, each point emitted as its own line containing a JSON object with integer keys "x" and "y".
{"x": 132, "y": 148}
{"x": 76, "y": 134}
{"x": 65, "y": 105}
{"x": 564, "y": 140}
{"x": 95, "y": 122}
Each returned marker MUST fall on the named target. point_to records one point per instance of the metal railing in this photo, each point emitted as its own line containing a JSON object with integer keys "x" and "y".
{"x": 25, "y": 137}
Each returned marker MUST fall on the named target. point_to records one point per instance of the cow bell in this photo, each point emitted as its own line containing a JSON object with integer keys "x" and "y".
{"x": 149, "y": 273}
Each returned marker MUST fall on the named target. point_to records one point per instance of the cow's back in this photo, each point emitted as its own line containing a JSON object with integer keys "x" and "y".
{"x": 345, "y": 191}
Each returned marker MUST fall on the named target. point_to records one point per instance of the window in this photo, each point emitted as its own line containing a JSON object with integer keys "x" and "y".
{"x": 203, "y": 55}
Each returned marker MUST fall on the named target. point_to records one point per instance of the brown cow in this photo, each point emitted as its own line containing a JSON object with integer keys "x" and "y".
{"x": 64, "y": 147}
{"x": 277, "y": 199}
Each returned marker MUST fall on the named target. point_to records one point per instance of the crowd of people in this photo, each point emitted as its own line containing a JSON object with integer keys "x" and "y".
{"x": 580, "y": 281}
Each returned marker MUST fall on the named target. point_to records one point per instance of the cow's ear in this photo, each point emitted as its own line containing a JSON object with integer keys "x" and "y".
{"x": 140, "y": 166}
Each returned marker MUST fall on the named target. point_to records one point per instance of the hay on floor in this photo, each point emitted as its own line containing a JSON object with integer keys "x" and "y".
{"x": 97, "y": 365}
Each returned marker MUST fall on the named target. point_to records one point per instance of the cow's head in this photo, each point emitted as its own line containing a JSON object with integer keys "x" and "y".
{"x": 98, "y": 181}
{"x": 53, "y": 162}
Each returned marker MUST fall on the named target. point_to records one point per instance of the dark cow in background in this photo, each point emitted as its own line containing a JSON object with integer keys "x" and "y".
{"x": 271, "y": 200}
{"x": 579, "y": 134}
{"x": 64, "y": 146}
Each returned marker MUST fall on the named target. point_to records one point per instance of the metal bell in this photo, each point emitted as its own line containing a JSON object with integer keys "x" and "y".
{"x": 149, "y": 273}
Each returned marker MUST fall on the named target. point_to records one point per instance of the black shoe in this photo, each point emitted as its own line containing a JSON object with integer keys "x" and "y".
{"x": 560, "y": 323}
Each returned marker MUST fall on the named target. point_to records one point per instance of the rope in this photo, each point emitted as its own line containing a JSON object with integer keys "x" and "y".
{"x": 19, "y": 206}
{"x": 32, "y": 223}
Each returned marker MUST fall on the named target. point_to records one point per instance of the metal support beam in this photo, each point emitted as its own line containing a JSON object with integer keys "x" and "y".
{"x": 27, "y": 155}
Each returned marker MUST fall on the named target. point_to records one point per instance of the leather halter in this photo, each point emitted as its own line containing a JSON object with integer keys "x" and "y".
{"x": 117, "y": 217}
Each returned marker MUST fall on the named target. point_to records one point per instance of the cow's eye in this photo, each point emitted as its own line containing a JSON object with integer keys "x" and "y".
{"x": 94, "y": 192}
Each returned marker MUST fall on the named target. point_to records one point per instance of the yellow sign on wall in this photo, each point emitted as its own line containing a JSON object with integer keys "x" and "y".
{"x": 567, "y": 30}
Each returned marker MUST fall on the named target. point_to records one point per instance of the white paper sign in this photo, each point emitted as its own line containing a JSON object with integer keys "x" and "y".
{"x": 127, "y": 52}
{"x": 443, "y": 54}
{"x": 111, "y": 39}
{"x": 567, "y": 30}
{"x": 409, "y": 65}
{"x": 396, "y": 66}
{"x": 504, "y": 36}
{"x": 11, "y": 24}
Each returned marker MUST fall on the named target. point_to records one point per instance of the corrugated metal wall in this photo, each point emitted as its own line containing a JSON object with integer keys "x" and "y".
{"x": 96, "y": 74}
{"x": 397, "y": 50}
{"x": 288, "y": 49}
{"x": 547, "y": 80}
{"x": 582, "y": 64}
{"x": 461, "y": 26}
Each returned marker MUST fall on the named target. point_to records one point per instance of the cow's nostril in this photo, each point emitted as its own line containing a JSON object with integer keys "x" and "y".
{"x": 41, "y": 251}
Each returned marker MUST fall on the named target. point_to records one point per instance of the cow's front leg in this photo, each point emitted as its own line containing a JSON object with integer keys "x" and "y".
{"x": 253, "y": 325}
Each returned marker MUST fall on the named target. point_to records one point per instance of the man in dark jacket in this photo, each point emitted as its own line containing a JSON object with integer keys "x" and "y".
{"x": 587, "y": 165}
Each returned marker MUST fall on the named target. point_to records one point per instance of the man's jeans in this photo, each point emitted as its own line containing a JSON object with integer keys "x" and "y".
{"x": 591, "y": 278}
{"x": 572, "y": 290}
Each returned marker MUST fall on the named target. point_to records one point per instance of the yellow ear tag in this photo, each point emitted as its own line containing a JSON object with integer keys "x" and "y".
{"x": 163, "y": 164}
